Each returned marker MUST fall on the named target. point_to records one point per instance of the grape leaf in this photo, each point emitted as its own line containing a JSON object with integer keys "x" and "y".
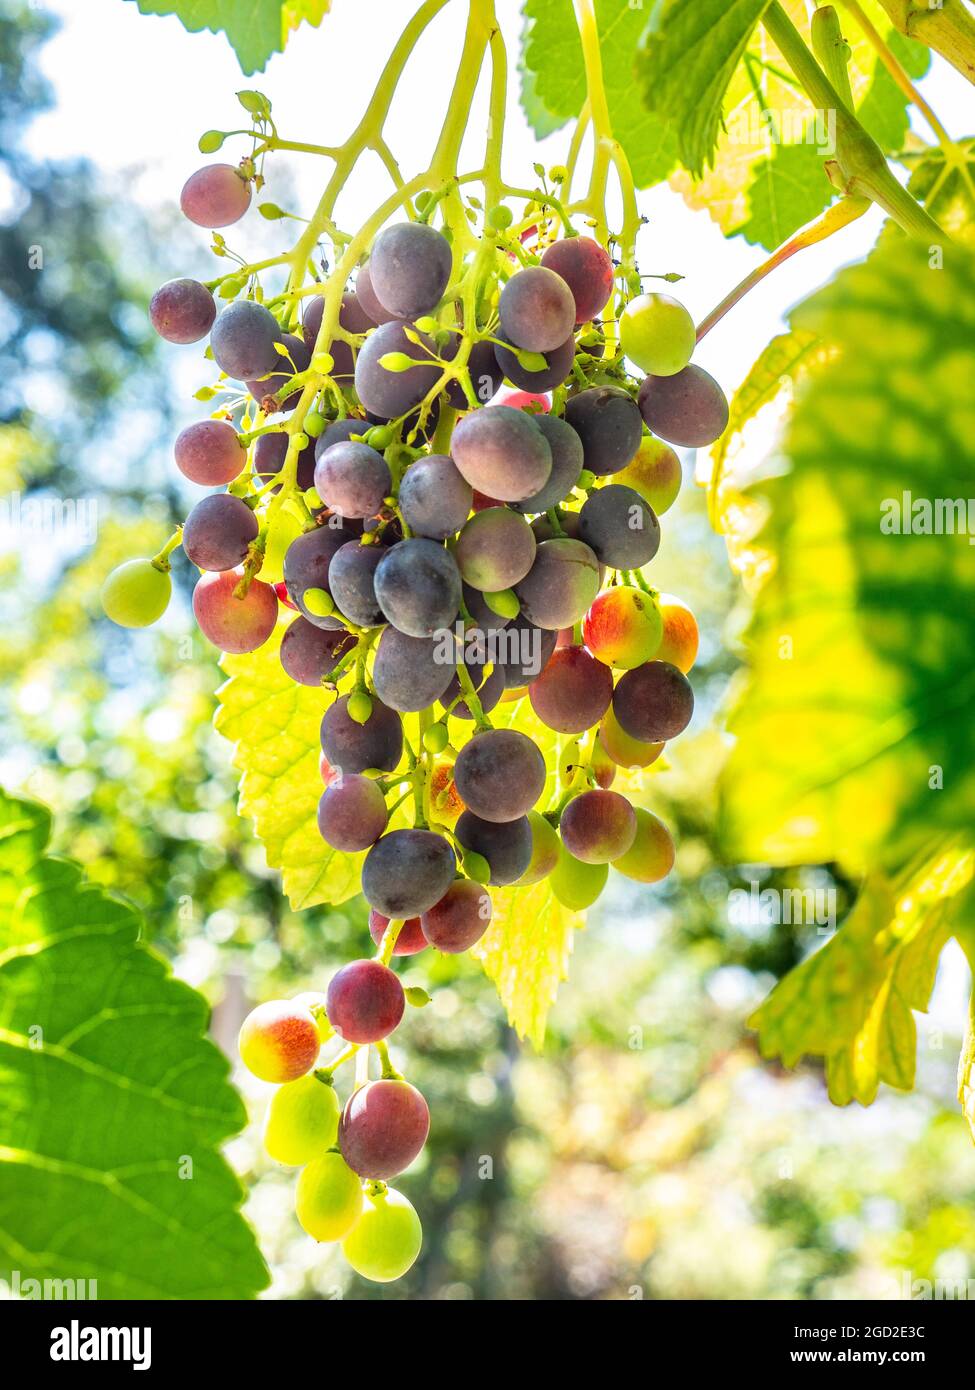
{"x": 690, "y": 50}
{"x": 255, "y": 29}
{"x": 113, "y": 1104}
{"x": 854, "y": 738}
{"x": 275, "y": 725}
{"x": 554, "y": 80}
{"x": 948, "y": 190}
{"x": 851, "y": 1002}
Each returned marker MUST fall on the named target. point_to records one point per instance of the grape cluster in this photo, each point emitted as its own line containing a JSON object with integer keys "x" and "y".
{"x": 452, "y": 498}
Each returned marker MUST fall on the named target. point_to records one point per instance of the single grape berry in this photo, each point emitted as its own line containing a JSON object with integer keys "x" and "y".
{"x": 689, "y": 409}
{"x": 386, "y": 392}
{"x": 500, "y": 774}
{"x": 537, "y": 310}
{"x": 182, "y": 311}
{"x": 679, "y": 642}
{"x": 502, "y": 453}
{"x": 623, "y": 750}
{"x": 545, "y": 850}
{"x": 651, "y": 855}
{"x": 619, "y": 527}
{"x": 306, "y": 568}
{"x": 302, "y": 1121}
{"x": 418, "y": 587}
{"x": 364, "y": 1001}
{"x": 561, "y": 584}
{"x": 209, "y": 452}
{"x": 136, "y": 593}
{"x": 352, "y": 747}
{"x": 587, "y": 270}
{"x": 624, "y": 627}
{"x": 410, "y": 940}
{"x": 352, "y": 479}
{"x": 459, "y": 920}
{"x": 386, "y": 1239}
{"x": 410, "y": 673}
{"x": 506, "y": 846}
{"x": 608, "y": 422}
{"x": 219, "y": 532}
{"x": 654, "y": 702}
{"x": 657, "y": 334}
{"x": 384, "y": 1126}
{"x": 655, "y": 474}
{"x": 577, "y": 885}
{"x": 230, "y": 623}
{"x": 243, "y": 340}
{"x": 328, "y": 1198}
{"x": 352, "y": 813}
{"x": 495, "y": 549}
{"x": 598, "y": 826}
{"x": 573, "y": 692}
{"x": 409, "y": 268}
{"x": 279, "y": 1041}
{"x": 558, "y": 365}
{"x": 215, "y": 196}
{"x": 407, "y": 871}
{"x": 309, "y": 653}
{"x": 352, "y": 582}
{"x": 368, "y": 300}
{"x": 434, "y": 498}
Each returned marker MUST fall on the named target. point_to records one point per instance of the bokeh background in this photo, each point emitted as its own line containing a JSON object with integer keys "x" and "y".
{"x": 647, "y": 1152}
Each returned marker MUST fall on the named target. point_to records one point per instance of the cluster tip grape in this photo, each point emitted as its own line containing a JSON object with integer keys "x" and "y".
{"x": 447, "y": 480}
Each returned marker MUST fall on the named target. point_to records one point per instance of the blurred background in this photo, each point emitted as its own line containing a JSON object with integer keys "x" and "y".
{"x": 647, "y": 1152}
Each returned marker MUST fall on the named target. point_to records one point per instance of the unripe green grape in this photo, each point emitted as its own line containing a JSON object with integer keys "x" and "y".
{"x": 577, "y": 885}
{"x": 319, "y": 602}
{"x": 499, "y": 218}
{"x": 436, "y": 738}
{"x": 380, "y": 437}
{"x": 651, "y": 855}
{"x": 658, "y": 334}
{"x": 359, "y": 707}
{"x": 545, "y": 850}
{"x": 386, "y": 1239}
{"x": 302, "y": 1121}
{"x": 136, "y": 593}
{"x": 328, "y": 1199}
{"x": 314, "y": 424}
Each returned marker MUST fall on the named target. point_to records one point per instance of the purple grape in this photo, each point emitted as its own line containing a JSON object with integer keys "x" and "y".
{"x": 306, "y": 564}
{"x": 561, "y": 584}
{"x": 620, "y": 528}
{"x": 270, "y": 453}
{"x": 567, "y": 464}
{"x": 502, "y": 453}
{"x": 366, "y": 296}
{"x": 653, "y": 702}
{"x": 418, "y": 587}
{"x": 243, "y": 340}
{"x": 587, "y": 270}
{"x": 409, "y": 268}
{"x": 352, "y": 747}
{"x": 688, "y": 409}
{"x": 219, "y": 532}
{"x": 364, "y": 1002}
{"x": 537, "y": 310}
{"x": 507, "y": 847}
{"x": 495, "y": 549}
{"x": 309, "y": 653}
{"x": 598, "y": 826}
{"x": 573, "y": 692}
{"x": 434, "y": 498}
{"x": 406, "y": 872}
{"x": 351, "y": 813}
{"x": 500, "y": 774}
{"x": 527, "y": 651}
{"x": 352, "y": 317}
{"x": 352, "y": 583}
{"x": 384, "y": 1126}
{"x": 215, "y": 196}
{"x": 266, "y": 391}
{"x": 392, "y": 394}
{"x": 352, "y": 479}
{"x": 338, "y": 432}
{"x": 182, "y": 311}
{"x": 409, "y": 673}
{"x": 209, "y": 452}
{"x": 559, "y": 365}
{"x": 609, "y": 423}
{"x": 459, "y": 920}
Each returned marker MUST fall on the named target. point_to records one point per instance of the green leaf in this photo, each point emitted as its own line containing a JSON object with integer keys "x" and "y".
{"x": 966, "y": 1071}
{"x": 113, "y": 1104}
{"x": 851, "y": 1002}
{"x": 275, "y": 724}
{"x": 255, "y": 29}
{"x": 948, "y": 190}
{"x": 788, "y": 189}
{"x": 554, "y": 80}
{"x": 690, "y": 50}
{"x": 854, "y": 736}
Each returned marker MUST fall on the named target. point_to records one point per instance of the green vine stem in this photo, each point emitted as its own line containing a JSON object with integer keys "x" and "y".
{"x": 945, "y": 26}
{"x": 162, "y": 561}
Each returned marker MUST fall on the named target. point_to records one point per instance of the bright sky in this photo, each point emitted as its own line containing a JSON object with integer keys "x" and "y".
{"x": 135, "y": 92}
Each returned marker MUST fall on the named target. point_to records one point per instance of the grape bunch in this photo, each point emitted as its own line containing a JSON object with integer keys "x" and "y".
{"x": 443, "y": 481}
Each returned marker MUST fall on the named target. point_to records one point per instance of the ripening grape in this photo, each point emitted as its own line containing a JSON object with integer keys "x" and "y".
{"x": 558, "y": 365}
{"x": 502, "y": 453}
{"x": 651, "y": 855}
{"x": 302, "y": 1121}
{"x": 418, "y": 587}
{"x": 573, "y": 692}
{"x": 386, "y": 1239}
{"x": 182, "y": 311}
{"x": 210, "y": 452}
{"x": 587, "y": 270}
{"x": 410, "y": 940}
{"x": 655, "y": 474}
{"x": 459, "y": 920}
{"x": 352, "y": 479}
{"x": 653, "y": 702}
{"x": 500, "y": 774}
{"x": 495, "y": 549}
{"x": 351, "y": 813}
{"x": 365, "y": 1001}
{"x": 406, "y": 872}
{"x": 267, "y": 389}
{"x": 577, "y": 885}
{"x": 384, "y": 1126}
{"x": 328, "y": 1198}
{"x": 689, "y": 409}
{"x": 309, "y": 653}
{"x": 391, "y": 394}
{"x": 409, "y": 673}
{"x": 243, "y": 340}
{"x": 561, "y": 584}
{"x": 566, "y": 447}
{"x": 409, "y": 268}
{"x": 215, "y": 196}
{"x": 354, "y": 747}
{"x": 537, "y": 310}
{"x": 529, "y": 401}
{"x": 270, "y": 454}
{"x": 623, "y": 627}
{"x": 306, "y": 566}
{"x": 657, "y": 334}
{"x": 136, "y": 593}
{"x": 279, "y": 1041}
{"x": 678, "y": 644}
{"x": 352, "y": 582}
{"x": 603, "y": 768}
{"x": 598, "y": 826}
{"x": 608, "y": 422}
{"x": 545, "y": 850}
{"x": 434, "y": 498}
{"x": 234, "y": 624}
{"x": 623, "y": 750}
{"x": 366, "y": 296}
{"x": 507, "y": 846}
{"x": 219, "y": 532}
{"x": 619, "y": 527}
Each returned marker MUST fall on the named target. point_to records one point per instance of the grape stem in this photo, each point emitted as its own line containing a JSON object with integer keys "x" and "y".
{"x": 162, "y": 561}
{"x": 389, "y": 1072}
{"x": 327, "y": 1072}
{"x": 388, "y": 943}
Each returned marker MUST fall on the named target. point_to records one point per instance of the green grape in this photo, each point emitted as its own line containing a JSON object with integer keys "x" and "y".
{"x": 658, "y": 334}
{"x": 136, "y": 593}
{"x": 328, "y": 1201}
{"x": 302, "y": 1121}
{"x": 386, "y": 1239}
{"x": 577, "y": 885}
